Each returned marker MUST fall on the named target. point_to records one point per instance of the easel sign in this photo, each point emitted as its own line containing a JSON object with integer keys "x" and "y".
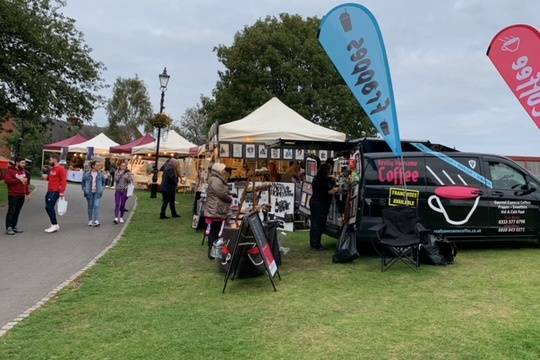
{"x": 254, "y": 231}
{"x": 257, "y": 229}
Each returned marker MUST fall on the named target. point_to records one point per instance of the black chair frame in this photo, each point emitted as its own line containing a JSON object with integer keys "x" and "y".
{"x": 407, "y": 252}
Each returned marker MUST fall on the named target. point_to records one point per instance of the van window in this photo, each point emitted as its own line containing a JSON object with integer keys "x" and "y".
{"x": 440, "y": 173}
{"x": 505, "y": 177}
{"x": 390, "y": 171}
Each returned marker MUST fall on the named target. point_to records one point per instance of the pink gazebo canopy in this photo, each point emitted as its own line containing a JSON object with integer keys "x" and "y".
{"x": 57, "y": 146}
{"x": 126, "y": 148}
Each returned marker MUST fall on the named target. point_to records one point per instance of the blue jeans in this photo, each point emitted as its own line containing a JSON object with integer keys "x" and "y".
{"x": 94, "y": 206}
{"x": 50, "y": 202}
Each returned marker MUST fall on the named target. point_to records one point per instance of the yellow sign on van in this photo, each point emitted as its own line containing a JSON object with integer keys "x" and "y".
{"x": 396, "y": 197}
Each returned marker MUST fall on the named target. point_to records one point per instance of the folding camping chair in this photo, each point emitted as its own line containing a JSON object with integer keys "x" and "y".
{"x": 401, "y": 234}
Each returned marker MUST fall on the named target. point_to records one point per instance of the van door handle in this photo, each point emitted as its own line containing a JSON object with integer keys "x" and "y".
{"x": 498, "y": 193}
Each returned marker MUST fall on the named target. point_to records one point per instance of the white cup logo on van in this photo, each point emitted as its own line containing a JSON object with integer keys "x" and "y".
{"x": 454, "y": 193}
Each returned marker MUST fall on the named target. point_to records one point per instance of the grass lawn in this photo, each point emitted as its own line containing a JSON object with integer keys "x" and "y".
{"x": 3, "y": 193}
{"x": 156, "y": 296}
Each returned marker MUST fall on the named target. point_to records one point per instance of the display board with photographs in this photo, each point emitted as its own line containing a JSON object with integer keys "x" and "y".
{"x": 305, "y": 198}
{"x": 282, "y": 204}
{"x": 263, "y": 152}
{"x": 311, "y": 169}
{"x": 280, "y": 197}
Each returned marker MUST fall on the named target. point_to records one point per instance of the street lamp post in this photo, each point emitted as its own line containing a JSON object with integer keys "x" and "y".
{"x": 163, "y": 81}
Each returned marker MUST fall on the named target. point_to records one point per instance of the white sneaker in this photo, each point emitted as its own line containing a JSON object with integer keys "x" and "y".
{"x": 90, "y": 223}
{"x": 52, "y": 229}
{"x": 96, "y": 223}
{"x": 115, "y": 220}
{"x": 121, "y": 220}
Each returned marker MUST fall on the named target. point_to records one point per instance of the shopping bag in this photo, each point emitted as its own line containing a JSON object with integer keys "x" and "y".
{"x": 62, "y": 206}
{"x": 195, "y": 221}
{"x": 130, "y": 190}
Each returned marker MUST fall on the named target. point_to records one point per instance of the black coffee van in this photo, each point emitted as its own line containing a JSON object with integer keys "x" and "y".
{"x": 458, "y": 195}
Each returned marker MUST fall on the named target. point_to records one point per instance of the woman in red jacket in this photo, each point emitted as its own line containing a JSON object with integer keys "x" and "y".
{"x": 18, "y": 184}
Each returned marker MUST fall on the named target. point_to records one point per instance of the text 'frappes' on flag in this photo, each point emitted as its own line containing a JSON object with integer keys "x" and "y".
{"x": 515, "y": 52}
{"x": 352, "y": 39}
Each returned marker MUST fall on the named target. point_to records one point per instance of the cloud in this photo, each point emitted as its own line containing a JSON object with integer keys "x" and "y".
{"x": 446, "y": 88}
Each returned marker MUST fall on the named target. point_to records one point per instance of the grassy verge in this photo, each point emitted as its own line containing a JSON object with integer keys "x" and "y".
{"x": 156, "y": 296}
{"x": 3, "y": 193}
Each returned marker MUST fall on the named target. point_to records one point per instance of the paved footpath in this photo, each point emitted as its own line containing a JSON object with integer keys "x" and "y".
{"x": 34, "y": 262}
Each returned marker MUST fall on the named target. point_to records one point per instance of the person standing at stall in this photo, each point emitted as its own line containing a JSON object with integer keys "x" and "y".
{"x": 323, "y": 190}
{"x": 217, "y": 203}
{"x": 93, "y": 184}
{"x": 169, "y": 184}
{"x": 57, "y": 178}
{"x": 18, "y": 184}
{"x": 124, "y": 178}
{"x": 112, "y": 173}
{"x": 202, "y": 174}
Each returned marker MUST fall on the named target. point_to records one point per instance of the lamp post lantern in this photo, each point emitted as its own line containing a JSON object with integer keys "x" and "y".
{"x": 163, "y": 81}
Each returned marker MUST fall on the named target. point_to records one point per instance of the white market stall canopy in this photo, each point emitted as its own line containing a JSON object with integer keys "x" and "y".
{"x": 171, "y": 142}
{"x": 272, "y": 121}
{"x": 101, "y": 144}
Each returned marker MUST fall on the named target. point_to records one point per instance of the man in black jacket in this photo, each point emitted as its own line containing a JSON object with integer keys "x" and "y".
{"x": 169, "y": 183}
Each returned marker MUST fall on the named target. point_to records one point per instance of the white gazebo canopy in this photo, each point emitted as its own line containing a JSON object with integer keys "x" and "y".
{"x": 171, "y": 142}
{"x": 101, "y": 144}
{"x": 272, "y": 121}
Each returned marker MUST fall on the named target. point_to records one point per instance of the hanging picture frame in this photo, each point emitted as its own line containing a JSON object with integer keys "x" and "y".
{"x": 323, "y": 155}
{"x": 288, "y": 154}
{"x": 224, "y": 150}
{"x": 250, "y": 151}
{"x": 299, "y": 154}
{"x": 262, "y": 151}
{"x": 238, "y": 151}
{"x": 275, "y": 154}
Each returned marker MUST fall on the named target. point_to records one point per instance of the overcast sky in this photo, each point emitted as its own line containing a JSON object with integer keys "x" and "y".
{"x": 446, "y": 88}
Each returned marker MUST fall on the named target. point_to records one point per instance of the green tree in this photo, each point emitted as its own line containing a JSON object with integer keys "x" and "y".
{"x": 46, "y": 69}
{"x": 193, "y": 124}
{"x": 282, "y": 57}
{"x": 128, "y": 109}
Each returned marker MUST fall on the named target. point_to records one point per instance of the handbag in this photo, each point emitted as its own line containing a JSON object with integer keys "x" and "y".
{"x": 62, "y": 206}
{"x": 130, "y": 190}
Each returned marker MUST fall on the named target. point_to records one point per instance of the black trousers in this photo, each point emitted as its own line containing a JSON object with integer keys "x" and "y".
{"x": 169, "y": 198}
{"x": 215, "y": 227}
{"x": 319, "y": 213}
{"x": 51, "y": 198}
{"x": 15, "y": 204}
{"x": 197, "y": 197}
{"x": 111, "y": 179}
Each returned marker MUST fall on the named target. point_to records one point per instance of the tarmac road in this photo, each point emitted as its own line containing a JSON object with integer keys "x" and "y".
{"x": 34, "y": 262}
